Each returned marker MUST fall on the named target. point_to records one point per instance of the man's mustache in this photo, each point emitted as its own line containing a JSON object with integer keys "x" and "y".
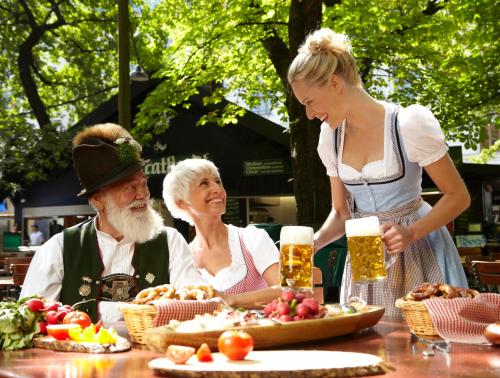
{"x": 138, "y": 203}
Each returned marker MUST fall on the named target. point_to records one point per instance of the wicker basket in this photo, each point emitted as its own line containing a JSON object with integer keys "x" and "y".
{"x": 418, "y": 318}
{"x": 138, "y": 319}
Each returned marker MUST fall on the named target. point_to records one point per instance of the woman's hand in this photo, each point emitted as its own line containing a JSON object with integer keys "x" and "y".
{"x": 396, "y": 237}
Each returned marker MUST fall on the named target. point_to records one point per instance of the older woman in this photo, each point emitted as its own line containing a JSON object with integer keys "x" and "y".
{"x": 233, "y": 260}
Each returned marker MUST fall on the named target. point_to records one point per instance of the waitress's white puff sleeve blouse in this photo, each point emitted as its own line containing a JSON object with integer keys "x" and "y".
{"x": 421, "y": 134}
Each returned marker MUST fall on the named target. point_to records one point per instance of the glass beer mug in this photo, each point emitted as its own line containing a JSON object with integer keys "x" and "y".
{"x": 366, "y": 250}
{"x": 296, "y": 257}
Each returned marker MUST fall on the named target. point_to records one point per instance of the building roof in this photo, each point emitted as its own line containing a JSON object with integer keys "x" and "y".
{"x": 254, "y": 142}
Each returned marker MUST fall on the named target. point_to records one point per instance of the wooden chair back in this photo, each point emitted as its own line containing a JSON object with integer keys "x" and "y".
{"x": 16, "y": 260}
{"x": 469, "y": 259}
{"x": 488, "y": 273}
{"x": 318, "y": 285}
{"x": 18, "y": 266}
{"x": 4, "y": 269}
{"x": 465, "y": 251}
{"x": 495, "y": 256}
{"x": 19, "y": 273}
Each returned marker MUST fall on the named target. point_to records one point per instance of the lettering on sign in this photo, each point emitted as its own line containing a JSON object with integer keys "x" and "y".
{"x": 263, "y": 167}
{"x": 161, "y": 166}
{"x": 235, "y": 213}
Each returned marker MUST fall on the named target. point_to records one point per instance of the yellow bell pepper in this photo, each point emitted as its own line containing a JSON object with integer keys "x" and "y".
{"x": 89, "y": 335}
{"x": 106, "y": 336}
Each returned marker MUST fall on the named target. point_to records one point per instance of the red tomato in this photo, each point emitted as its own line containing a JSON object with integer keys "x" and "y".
{"x": 98, "y": 326}
{"x": 235, "y": 345}
{"x": 78, "y": 317}
{"x": 204, "y": 354}
{"x": 60, "y": 331}
{"x": 179, "y": 353}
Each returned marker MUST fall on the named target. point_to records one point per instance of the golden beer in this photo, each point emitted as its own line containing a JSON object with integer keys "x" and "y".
{"x": 366, "y": 251}
{"x": 296, "y": 257}
{"x": 296, "y": 265}
{"x": 367, "y": 258}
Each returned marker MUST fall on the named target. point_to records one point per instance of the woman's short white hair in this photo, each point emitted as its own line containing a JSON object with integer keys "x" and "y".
{"x": 177, "y": 183}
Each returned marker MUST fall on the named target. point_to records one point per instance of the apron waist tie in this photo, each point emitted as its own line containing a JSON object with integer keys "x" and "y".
{"x": 393, "y": 214}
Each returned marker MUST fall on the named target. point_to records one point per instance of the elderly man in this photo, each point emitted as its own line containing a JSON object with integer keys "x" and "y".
{"x": 122, "y": 250}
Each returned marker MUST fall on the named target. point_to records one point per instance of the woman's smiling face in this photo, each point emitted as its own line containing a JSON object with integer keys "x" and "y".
{"x": 207, "y": 195}
{"x": 321, "y": 101}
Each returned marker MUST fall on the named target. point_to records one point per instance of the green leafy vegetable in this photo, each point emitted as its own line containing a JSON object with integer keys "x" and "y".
{"x": 18, "y": 325}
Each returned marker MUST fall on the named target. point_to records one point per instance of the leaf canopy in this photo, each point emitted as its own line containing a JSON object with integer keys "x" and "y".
{"x": 60, "y": 61}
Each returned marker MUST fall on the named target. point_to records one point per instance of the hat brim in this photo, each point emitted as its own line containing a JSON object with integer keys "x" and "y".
{"x": 121, "y": 175}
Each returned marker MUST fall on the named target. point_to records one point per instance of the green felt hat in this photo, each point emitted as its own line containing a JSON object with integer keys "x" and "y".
{"x": 100, "y": 162}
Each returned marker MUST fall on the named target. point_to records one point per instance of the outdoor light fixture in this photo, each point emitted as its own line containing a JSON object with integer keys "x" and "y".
{"x": 139, "y": 74}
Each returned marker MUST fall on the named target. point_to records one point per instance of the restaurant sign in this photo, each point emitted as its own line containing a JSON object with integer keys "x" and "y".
{"x": 264, "y": 167}
{"x": 160, "y": 166}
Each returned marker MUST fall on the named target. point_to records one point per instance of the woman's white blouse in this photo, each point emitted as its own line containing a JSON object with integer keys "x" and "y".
{"x": 420, "y": 133}
{"x": 260, "y": 246}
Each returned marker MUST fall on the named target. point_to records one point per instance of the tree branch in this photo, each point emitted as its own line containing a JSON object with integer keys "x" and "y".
{"x": 78, "y": 46}
{"x": 484, "y": 101}
{"x": 279, "y": 54}
{"x": 25, "y": 60}
{"x": 331, "y": 3}
{"x": 263, "y": 23}
{"x": 73, "y": 101}
{"x": 433, "y": 6}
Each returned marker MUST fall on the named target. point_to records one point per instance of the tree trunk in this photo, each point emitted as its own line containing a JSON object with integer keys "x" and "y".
{"x": 25, "y": 62}
{"x": 311, "y": 186}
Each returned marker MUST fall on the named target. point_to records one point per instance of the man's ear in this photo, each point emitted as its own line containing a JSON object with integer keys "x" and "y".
{"x": 98, "y": 200}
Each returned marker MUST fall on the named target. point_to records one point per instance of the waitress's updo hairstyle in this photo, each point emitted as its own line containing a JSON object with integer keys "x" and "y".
{"x": 323, "y": 54}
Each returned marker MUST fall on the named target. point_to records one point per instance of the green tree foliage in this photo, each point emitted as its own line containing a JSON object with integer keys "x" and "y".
{"x": 486, "y": 153}
{"x": 58, "y": 63}
{"x": 440, "y": 53}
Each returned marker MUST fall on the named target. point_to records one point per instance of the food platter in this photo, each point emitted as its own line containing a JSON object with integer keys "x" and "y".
{"x": 264, "y": 336}
{"x": 48, "y": 342}
{"x": 279, "y": 363}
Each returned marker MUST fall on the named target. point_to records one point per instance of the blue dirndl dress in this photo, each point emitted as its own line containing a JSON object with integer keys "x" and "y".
{"x": 397, "y": 198}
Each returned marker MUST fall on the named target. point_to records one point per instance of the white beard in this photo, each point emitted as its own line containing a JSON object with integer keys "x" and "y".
{"x": 138, "y": 227}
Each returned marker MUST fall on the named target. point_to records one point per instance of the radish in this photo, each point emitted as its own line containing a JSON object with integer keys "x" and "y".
{"x": 35, "y": 304}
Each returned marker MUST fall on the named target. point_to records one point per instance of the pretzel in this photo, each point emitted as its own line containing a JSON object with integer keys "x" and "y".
{"x": 145, "y": 296}
{"x": 466, "y": 293}
{"x": 165, "y": 291}
{"x": 209, "y": 291}
{"x": 447, "y": 291}
{"x": 195, "y": 293}
{"x": 424, "y": 291}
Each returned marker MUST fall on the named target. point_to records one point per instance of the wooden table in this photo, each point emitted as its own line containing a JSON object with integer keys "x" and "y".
{"x": 6, "y": 283}
{"x": 389, "y": 340}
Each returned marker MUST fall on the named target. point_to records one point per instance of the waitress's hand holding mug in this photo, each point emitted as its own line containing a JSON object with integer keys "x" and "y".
{"x": 395, "y": 237}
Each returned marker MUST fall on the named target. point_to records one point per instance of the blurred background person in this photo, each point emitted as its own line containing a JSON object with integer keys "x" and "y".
{"x": 36, "y": 236}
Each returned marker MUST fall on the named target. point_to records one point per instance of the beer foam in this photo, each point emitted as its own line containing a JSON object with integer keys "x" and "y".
{"x": 296, "y": 235}
{"x": 369, "y": 226}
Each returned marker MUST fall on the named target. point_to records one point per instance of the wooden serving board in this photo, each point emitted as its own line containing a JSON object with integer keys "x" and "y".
{"x": 277, "y": 364}
{"x": 264, "y": 336}
{"x": 48, "y": 342}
